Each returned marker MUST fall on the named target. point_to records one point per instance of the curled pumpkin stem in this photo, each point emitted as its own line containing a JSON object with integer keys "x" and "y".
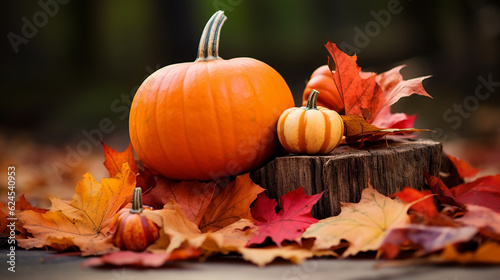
{"x": 209, "y": 42}
{"x": 312, "y": 100}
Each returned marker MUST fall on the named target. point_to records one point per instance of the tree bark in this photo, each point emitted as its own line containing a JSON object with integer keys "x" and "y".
{"x": 348, "y": 169}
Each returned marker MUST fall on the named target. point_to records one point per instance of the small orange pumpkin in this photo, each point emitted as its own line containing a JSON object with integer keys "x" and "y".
{"x": 322, "y": 80}
{"x": 310, "y": 129}
{"x": 211, "y": 118}
{"x": 131, "y": 229}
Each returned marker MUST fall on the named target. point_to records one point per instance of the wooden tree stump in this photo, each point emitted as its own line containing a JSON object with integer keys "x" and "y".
{"x": 346, "y": 171}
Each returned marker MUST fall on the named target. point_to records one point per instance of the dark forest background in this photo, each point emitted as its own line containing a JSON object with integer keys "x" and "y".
{"x": 85, "y": 61}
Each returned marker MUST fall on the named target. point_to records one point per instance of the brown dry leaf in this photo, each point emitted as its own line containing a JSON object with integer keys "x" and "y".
{"x": 193, "y": 196}
{"x": 486, "y": 253}
{"x": 229, "y": 239}
{"x": 358, "y": 129}
{"x": 113, "y": 160}
{"x": 231, "y": 204}
{"x": 363, "y": 224}
{"x": 292, "y": 252}
{"x": 84, "y": 221}
{"x": 176, "y": 229}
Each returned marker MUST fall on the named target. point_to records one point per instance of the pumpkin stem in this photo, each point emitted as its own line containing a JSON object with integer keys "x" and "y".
{"x": 312, "y": 100}
{"x": 209, "y": 41}
{"x": 137, "y": 201}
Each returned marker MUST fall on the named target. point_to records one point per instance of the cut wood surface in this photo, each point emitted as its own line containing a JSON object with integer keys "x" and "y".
{"x": 346, "y": 171}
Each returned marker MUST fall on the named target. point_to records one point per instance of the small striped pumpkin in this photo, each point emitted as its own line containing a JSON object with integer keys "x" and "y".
{"x": 310, "y": 129}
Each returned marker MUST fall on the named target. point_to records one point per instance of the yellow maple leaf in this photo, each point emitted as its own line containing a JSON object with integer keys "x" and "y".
{"x": 84, "y": 221}
{"x": 362, "y": 224}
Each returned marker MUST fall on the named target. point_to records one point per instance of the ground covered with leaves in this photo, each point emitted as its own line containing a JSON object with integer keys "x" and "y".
{"x": 457, "y": 224}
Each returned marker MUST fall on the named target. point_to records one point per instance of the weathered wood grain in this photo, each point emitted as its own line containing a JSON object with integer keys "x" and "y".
{"x": 345, "y": 172}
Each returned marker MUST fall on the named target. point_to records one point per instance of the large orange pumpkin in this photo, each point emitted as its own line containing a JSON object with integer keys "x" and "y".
{"x": 210, "y": 118}
{"x": 322, "y": 80}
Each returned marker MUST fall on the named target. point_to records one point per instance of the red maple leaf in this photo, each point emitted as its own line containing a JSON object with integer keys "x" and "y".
{"x": 463, "y": 168}
{"x": 369, "y": 95}
{"x": 426, "y": 206}
{"x": 291, "y": 221}
{"x": 362, "y": 95}
{"x": 484, "y": 191}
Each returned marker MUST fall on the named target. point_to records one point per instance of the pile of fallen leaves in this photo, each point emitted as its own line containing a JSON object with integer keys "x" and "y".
{"x": 198, "y": 220}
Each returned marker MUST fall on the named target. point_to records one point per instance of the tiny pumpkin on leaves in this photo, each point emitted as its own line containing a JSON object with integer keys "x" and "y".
{"x": 131, "y": 229}
{"x": 310, "y": 129}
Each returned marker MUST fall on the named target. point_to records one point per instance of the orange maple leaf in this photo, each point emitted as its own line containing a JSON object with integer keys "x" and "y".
{"x": 231, "y": 204}
{"x": 463, "y": 168}
{"x": 426, "y": 206}
{"x": 84, "y": 221}
{"x": 362, "y": 224}
{"x": 113, "y": 160}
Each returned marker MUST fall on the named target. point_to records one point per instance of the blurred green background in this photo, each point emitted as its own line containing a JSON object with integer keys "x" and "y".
{"x": 85, "y": 59}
